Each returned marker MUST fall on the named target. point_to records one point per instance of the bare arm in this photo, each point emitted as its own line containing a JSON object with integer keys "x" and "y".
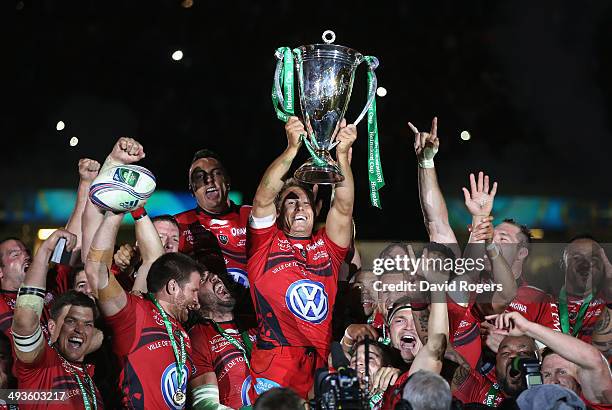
{"x": 125, "y": 151}
{"x": 27, "y": 337}
{"x": 594, "y": 372}
{"x": 431, "y": 355}
{"x": 602, "y": 334}
{"x": 150, "y": 247}
{"x": 435, "y": 214}
{"x": 88, "y": 170}
{"x": 272, "y": 182}
{"x": 339, "y": 223}
{"x": 111, "y": 301}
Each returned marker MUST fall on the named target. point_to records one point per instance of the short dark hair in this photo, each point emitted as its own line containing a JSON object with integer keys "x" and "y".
{"x": 205, "y": 153}
{"x": 524, "y": 230}
{"x": 170, "y": 266}
{"x": 386, "y": 354}
{"x": 386, "y": 252}
{"x": 279, "y": 398}
{"x": 167, "y": 218}
{"x": 73, "y": 274}
{"x": 74, "y": 298}
{"x": 440, "y": 248}
{"x": 291, "y": 183}
{"x": 582, "y": 236}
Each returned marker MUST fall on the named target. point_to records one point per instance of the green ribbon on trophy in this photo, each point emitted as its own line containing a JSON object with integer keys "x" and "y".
{"x": 375, "y": 174}
{"x": 325, "y": 79}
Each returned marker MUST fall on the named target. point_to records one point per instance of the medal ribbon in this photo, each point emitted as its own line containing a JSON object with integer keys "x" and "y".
{"x": 245, "y": 350}
{"x": 375, "y": 173}
{"x": 180, "y": 358}
{"x": 564, "y": 313}
{"x": 84, "y": 392}
{"x": 492, "y": 395}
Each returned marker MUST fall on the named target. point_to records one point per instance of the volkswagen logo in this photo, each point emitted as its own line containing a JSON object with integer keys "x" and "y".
{"x": 307, "y": 300}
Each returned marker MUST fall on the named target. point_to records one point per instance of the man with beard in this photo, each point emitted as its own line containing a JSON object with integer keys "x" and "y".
{"x": 221, "y": 351}
{"x": 216, "y": 222}
{"x": 470, "y": 386}
{"x": 149, "y": 339}
{"x": 581, "y": 300}
{"x": 40, "y": 365}
{"x": 293, "y": 271}
{"x": 567, "y": 360}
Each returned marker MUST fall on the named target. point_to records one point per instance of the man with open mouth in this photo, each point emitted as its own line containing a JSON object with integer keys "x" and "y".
{"x": 40, "y": 365}
{"x": 294, "y": 271}
{"x": 221, "y": 348}
{"x": 216, "y": 222}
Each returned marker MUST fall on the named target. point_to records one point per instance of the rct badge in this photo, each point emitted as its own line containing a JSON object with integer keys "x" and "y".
{"x": 307, "y": 300}
{"x": 302, "y": 250}
{"x": 223, "y": 239}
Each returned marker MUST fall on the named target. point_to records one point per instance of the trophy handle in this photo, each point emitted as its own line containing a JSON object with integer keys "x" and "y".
{"x": 372, "y": 92}
{"x": 277, "y": 86}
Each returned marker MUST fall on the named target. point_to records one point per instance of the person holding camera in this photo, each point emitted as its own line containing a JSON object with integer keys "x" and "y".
{"x": 569, "y": 362}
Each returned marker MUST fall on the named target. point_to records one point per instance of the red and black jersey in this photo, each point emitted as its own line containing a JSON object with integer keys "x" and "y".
{"x": 479, "y": 389}
{"x": 293, "y": 287}
{"x": 536, "y": 306}
{"x": 212, "y": 352}
{"x": 597, "y": 305}
{"x": 464, "y": 332}
{"x": 201, "y": 230}
{"x": 53, "y": 372}
{"x": 148, "y": 377}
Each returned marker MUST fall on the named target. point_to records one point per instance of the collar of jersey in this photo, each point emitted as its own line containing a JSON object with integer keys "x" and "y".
{"x": 232, "y": 208}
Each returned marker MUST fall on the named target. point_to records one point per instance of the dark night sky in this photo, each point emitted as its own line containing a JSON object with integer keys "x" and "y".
{"x": 530, "y": 82}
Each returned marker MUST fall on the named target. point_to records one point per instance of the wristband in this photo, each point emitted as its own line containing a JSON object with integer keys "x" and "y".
{"x": 30, "y": 301}
{"x": 492, "y": 247}
{"x": 428, "y": 155}
{"x": 139, "y": 213}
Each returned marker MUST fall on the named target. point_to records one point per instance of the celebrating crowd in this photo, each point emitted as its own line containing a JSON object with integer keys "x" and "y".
{"x": 227, "y": 306}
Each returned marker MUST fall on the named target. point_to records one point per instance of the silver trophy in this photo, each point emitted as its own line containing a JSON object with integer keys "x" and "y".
{"x": 325, "y": 75}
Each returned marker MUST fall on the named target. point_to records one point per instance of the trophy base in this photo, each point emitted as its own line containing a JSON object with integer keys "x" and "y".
{"x": 328, "y": 174}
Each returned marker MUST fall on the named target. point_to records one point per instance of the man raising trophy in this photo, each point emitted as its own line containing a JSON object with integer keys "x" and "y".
{"x": 293, "y": 272}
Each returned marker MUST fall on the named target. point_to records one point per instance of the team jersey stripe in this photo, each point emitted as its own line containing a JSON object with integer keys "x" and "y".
{"x": 467, "y": 336}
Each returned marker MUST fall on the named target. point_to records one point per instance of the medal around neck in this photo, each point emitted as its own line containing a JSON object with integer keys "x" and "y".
{"x": 325, "y": 74}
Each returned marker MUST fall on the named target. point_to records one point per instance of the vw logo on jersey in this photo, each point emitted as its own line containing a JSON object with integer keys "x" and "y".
{"x": 169, "y": 385}
{"x": 262, "y": 385}
{"x": 307, "y": 300}
{"x": 239, "y": 276}
{"x": 244, "y": 392}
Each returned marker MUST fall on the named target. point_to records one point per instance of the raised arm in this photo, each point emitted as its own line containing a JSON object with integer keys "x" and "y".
{"x": 435, "y": 214}
{"x": 88, "y": 170}
{"x": 594, "y": 372}
{"x": 339, "y": 223}
{"x": 150, "y": 248}
{"x": 111, "y": 297}
{"x": 125, "y": 151}
{"x": 272, "y": 180}
{"x": 431, "y": 355}
{"x": 27, "y": 334}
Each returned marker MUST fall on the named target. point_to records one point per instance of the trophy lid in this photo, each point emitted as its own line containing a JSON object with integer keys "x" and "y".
{"x": 329, "y": 50}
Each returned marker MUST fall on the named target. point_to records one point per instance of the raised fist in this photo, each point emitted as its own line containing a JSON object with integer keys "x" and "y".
{"x": 88, "y": 169}
{"x": 127, "y": 151}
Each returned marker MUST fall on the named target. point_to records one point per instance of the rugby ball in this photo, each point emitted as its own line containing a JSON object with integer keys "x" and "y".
{"x": 122, "y": 188}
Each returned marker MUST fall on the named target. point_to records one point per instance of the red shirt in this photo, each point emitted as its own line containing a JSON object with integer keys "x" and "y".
{"x": 478, "y": 389}
{"x": 203, "y": 230}
{"x": 148, "y": 377}
{"x": 213, "y": 353}
{"x": 536, "y": 306}
{"x": 595, "y": 308}
{"x": 51, "y": 371}
{"x": 464, "y": 332}
{"x": 293, "y": 286}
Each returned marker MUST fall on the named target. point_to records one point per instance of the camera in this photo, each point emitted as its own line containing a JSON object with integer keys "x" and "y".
{"x": 339, "y": 389}
{"x": 529, "y": 368}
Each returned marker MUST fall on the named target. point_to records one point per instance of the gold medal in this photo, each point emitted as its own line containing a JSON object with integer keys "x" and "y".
{"x": 179, "y": 398}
